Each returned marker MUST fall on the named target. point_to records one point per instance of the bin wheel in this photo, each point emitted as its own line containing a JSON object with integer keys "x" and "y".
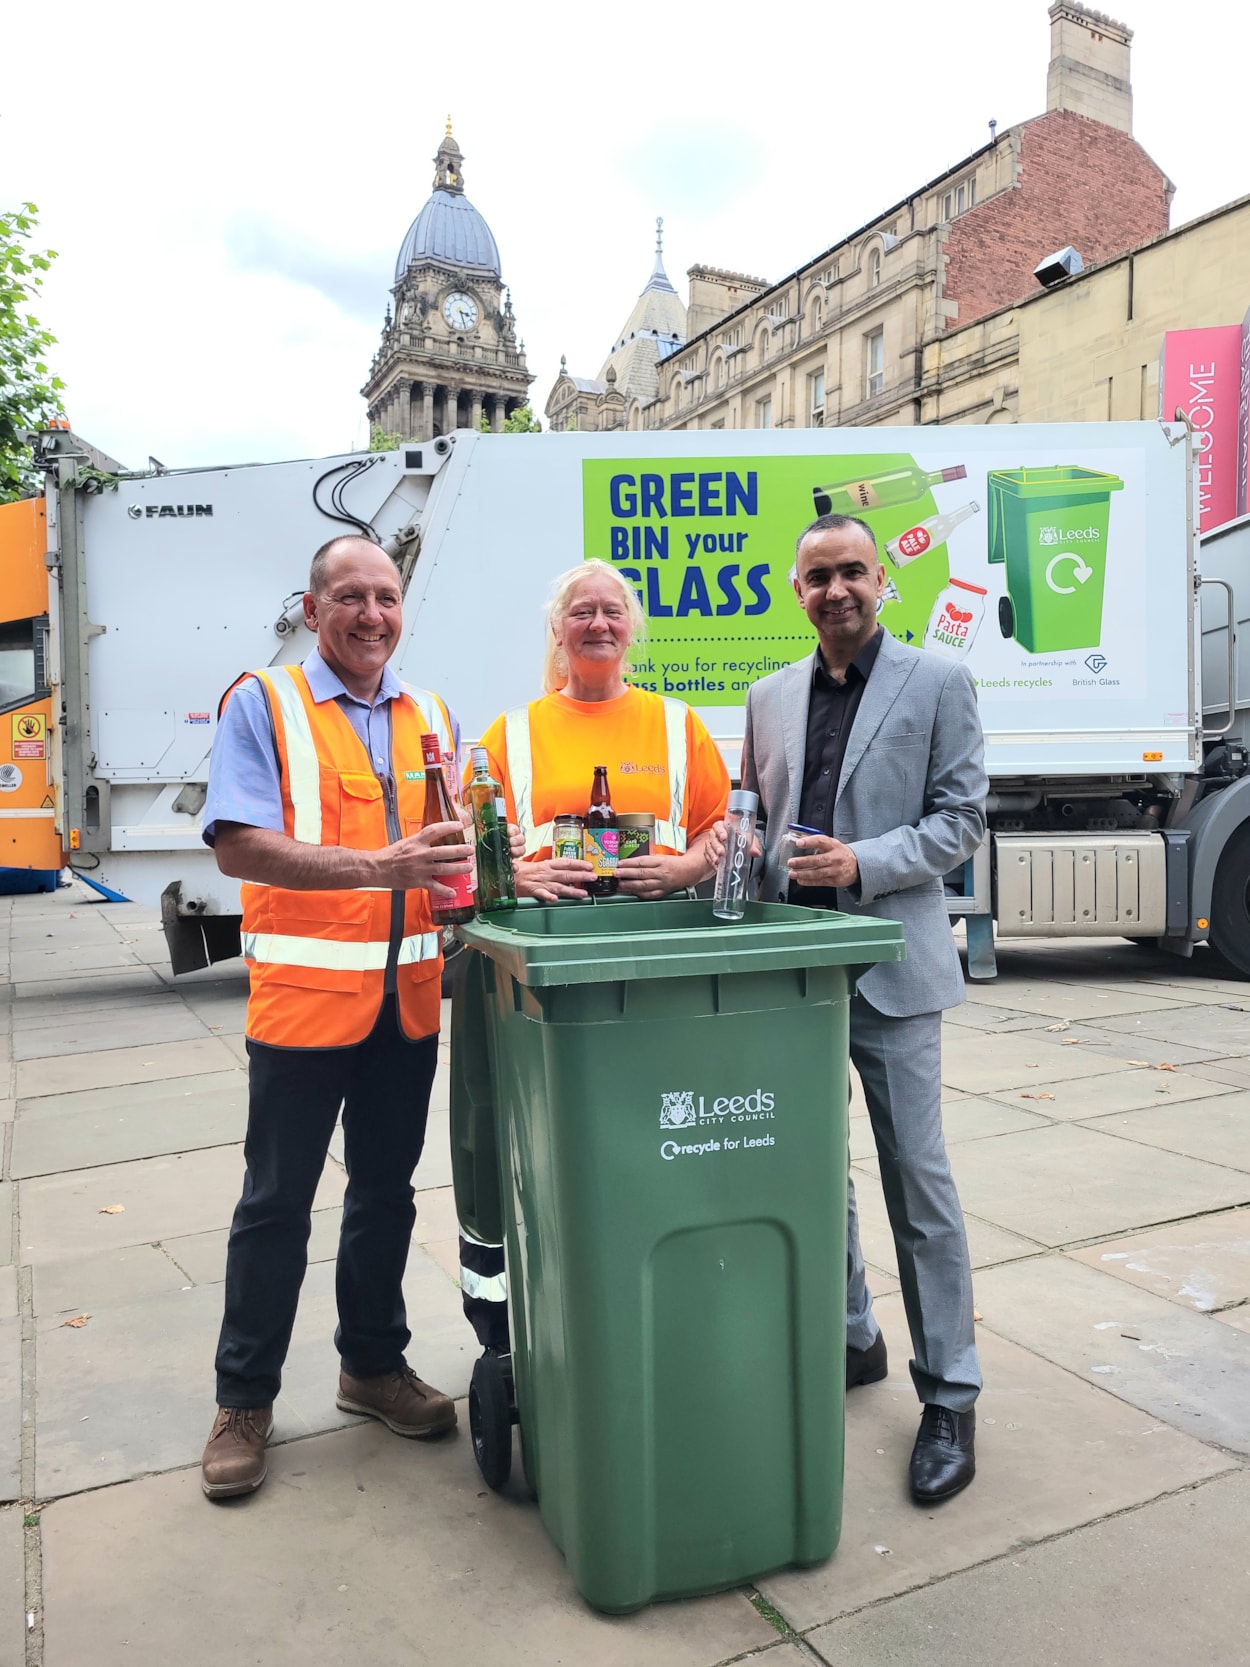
{"x": 490, "y": 1419}
{"x": 1006, "y": 617}
{"x": 1230, "y": 903}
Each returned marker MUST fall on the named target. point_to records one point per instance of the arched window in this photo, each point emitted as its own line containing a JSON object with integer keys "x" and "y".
{"x": 874, "y": 269}
{"x": 818, "y": 313}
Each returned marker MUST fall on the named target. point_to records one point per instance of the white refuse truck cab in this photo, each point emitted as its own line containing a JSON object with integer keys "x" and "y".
{"x": 1058, "y": 562}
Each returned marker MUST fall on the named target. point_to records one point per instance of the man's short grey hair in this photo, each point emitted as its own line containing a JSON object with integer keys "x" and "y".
{"x": 317, "y": 569}
{"x": 831, "y": 524}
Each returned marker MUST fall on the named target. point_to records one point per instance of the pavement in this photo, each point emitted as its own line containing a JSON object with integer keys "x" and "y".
{"x": 1098, "y": 1115}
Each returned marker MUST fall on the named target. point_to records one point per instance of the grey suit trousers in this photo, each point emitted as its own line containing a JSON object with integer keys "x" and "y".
{"x": 899, "y": 1065}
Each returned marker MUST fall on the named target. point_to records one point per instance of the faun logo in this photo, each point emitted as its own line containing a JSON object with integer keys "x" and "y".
{"x": 166, "y": 512}
{"x": 677, "y": 1110}
{"x": 682, "y": 1109}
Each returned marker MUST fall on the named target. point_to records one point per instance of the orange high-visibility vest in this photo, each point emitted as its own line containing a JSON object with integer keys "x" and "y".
{"x": 318, "y": 959}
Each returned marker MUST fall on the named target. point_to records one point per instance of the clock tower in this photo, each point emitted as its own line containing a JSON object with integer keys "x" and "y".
{"x": 449, "y": 354}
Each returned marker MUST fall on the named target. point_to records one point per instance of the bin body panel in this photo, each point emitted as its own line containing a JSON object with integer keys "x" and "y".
{"x": 674, "y": 1156}
{"x": 1049, "y": 526}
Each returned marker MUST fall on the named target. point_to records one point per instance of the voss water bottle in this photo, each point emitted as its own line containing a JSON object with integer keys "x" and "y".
{"x": 730, "y": 900}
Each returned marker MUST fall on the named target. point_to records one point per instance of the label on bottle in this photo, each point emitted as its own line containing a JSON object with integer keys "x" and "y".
{"x": 601, "y": 848}
{"x": 865, "y": 494}
{"x": 462, "y": 885}
{"x": 914, "y": 542}
{"x": 635, "y": 842}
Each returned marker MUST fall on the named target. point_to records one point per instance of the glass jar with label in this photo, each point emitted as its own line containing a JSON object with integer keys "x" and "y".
{"x": 955, "y": 620}
{"x": 566, "y": 838}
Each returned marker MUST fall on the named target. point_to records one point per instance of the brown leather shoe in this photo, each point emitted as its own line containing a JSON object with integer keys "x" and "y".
{"x": 400, "y": 1400}
{"x": 234, "y": 1460}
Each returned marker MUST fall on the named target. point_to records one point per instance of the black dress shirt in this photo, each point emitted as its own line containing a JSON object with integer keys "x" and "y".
{"x": 830, "y": 719}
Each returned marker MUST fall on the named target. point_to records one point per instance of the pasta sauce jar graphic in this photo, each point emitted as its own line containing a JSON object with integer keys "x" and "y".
{"x": 955, "y": 620}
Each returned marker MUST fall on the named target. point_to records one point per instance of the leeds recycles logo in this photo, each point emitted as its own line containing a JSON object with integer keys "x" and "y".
{"x": 677, "y": 1110}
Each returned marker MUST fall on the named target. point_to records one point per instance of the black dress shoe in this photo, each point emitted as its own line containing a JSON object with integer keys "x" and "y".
{"x": 942, "y": 1461}
{"x": 866, "y": 1365}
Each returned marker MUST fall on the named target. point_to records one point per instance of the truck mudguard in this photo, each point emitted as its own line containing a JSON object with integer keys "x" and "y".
{"x": 1212, "y": 823}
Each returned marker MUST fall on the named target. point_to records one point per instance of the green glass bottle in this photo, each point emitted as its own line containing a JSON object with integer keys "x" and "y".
{"x": 895, "y": 486}
{"x": 496, "y": 884}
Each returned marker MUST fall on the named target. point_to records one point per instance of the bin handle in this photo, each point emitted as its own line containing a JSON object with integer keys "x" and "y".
{"x": 1214, "y": 734}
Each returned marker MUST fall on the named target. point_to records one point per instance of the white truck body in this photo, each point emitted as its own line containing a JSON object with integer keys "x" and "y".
{"x": 1082, "y": 629}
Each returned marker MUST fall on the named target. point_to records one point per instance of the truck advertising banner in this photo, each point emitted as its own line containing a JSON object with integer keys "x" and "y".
{"x": 1024, "y": 563}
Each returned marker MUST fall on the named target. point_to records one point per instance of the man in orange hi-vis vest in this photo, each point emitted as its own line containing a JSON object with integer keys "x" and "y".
{"x": 315, "y": 801}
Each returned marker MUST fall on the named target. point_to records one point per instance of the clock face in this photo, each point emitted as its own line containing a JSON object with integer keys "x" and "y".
{"x": 460, "y": 311}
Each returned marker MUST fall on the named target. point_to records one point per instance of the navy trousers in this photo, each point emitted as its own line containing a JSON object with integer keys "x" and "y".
{"x": 383, "y": 1087}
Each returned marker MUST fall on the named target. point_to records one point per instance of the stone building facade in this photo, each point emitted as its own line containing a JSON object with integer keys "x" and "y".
{"x": 849, "y": 337}
{"x": 449, "y": 353}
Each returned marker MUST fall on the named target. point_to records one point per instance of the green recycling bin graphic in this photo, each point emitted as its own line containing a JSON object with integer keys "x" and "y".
{"x": 1049, "y": 527}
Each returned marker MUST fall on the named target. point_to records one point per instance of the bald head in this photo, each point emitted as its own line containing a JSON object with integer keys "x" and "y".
{"x": 322, "y": 562}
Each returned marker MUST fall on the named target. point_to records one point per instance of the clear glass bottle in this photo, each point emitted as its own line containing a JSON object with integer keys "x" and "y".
{"x": 734, "y": 869}
{"x": 496, "y": 883}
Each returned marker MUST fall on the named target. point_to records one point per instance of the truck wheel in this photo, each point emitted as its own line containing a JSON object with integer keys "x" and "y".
{"x": 490, "y": 1421}
{"x": 1006, "y": 617}
{"x": 1230, "y": 903}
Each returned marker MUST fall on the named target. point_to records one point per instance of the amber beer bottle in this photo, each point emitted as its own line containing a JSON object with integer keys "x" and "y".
{"x": 439, "y": 808}
{"x": 602, "y": 838}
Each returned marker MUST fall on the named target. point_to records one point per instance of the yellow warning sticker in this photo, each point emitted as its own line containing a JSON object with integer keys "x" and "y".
{"x": 30, "y": 734}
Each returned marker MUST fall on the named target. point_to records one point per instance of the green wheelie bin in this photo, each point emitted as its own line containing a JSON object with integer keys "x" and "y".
{"x": 667, "y": 1102}
{"x": 1049, "y": 527}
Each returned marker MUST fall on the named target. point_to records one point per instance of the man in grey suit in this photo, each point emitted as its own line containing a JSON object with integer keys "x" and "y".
{"x": 880, "y": 746}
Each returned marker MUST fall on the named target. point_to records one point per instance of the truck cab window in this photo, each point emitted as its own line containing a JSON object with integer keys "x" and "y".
{"x": 17, "y": 662}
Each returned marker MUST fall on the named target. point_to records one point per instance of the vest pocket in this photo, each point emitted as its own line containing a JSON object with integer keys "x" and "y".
{"x": 319, "y": 941}
{"x": 362, "y": 813}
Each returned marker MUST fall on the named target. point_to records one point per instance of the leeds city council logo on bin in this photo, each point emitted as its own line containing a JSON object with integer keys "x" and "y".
{"x": 677, "y": 1110}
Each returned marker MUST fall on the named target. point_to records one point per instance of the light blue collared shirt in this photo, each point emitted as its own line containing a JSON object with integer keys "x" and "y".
{"x": 244, "y": 782}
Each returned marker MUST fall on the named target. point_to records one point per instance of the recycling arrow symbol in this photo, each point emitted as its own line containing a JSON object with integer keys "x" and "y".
{"x": 1080, "y": 572}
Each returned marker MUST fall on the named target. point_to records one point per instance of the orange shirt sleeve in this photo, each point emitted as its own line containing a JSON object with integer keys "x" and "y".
{"x": 707, "y": 781}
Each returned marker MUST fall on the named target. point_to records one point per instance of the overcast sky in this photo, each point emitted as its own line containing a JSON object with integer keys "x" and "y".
{"x": 227, "y": 186}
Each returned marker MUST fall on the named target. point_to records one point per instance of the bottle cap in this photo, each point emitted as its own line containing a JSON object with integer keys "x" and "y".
{"x": 741, "y": 799}
{"x": 480, "y": 760}
{"x": 431, "y": 751}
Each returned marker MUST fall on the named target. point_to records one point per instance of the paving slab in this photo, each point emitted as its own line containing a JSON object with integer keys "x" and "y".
{"x": 1238, "y": 1318}
{"x": 1068, "y": 1001}
{"x": 1216, "y": 1129}
{"x": 987, "y": 1243}
{"x": 1179, "y": 1366}
{"x": 968, "y": 1118}
{"x": 1068, "y": 1182}
{"x": 135, "y": 1120}
{"x": 1202, "y": 1263}
{"x": 1234, "y": 1072}
{"x": 8, "y": 1292}
{"x": 202, "y": 1256}
{"x": 107, "y": 1279}
{"x": 115, "y": 1028}
{"x": 6, "y": 1222}
{"x": 1222, "y": 1029}
{"x": 436, "y": 1215}
{"x": 10, "y": 1409}
{"x": 70, "y": 962}
{"x": 322, "y": 1566}
{"x": 105, "y": 1069}
{"x": 1157, "y": 1586}
{"x": 1128, "y": 1089}
{"x": 1052, "y": 1454}
{"x": 996, "y": 1020}
{"x": 12, "y": 1586}
{"x": 982, "y": 1064}
{"x": 1137, "y": 1048}
{"x": 91, "y": 1001}
{"x": 7, "y": 1109}
{"x": 165, "y": 1197}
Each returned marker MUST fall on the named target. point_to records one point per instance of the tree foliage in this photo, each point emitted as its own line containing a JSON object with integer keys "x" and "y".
{"x": 29, "y": 393}
{"x": 380, "y": 440}
{"x": 522, "y": 421}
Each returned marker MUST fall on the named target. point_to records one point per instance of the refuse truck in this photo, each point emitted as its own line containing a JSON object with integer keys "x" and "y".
{"x": 1060, "y": 562}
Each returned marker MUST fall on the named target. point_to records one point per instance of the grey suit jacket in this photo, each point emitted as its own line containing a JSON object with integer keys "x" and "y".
{"x": 910, "y": 804}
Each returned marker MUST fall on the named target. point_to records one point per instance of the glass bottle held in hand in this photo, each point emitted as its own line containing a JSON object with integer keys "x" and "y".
{"x": 439, "y": 808}
{"x": 496, "y": 884}
{"x": 734, "y": 868}
{"x": 602, "y": 840}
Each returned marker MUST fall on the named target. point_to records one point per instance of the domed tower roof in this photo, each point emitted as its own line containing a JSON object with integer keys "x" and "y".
{"x": 449, "y": 228}
{"x": 655, "y": 328}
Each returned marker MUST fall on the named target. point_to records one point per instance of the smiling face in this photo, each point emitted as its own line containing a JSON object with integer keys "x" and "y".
{"x": 357, "y": 614}
{"x": 838, "y": 581}
{"x": 595, "y": 630}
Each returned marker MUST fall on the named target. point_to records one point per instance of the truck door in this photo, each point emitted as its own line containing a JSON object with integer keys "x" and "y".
{"x": 30, "y": 845}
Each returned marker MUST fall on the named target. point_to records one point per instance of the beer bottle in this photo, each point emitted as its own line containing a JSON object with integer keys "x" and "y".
{"x": 496, "y": 886}
{"x": 602, "y": 839}
{"x": 439, "y": 808}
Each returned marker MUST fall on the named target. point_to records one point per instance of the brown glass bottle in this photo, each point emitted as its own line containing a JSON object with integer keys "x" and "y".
{"x": 602, "y": 838}
{"x": 439, "y": 808}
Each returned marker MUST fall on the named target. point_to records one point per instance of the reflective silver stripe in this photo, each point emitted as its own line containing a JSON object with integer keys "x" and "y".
{"x": 431, "y": 711}
{"x": 492, "y": 1288}
{"x": 283, "y": 949}
{"x": 673, "y": 832}
{"x": 303, "y": 773}
{"x": 521, "y": 778}
{"x": 472, "y": 1238}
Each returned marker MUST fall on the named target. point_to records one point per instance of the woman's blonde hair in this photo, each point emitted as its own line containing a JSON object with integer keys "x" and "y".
{"x": 555, "y": 661}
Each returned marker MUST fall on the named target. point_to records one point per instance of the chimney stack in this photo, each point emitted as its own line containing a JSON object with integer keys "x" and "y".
{"x": 1089, "y": 65}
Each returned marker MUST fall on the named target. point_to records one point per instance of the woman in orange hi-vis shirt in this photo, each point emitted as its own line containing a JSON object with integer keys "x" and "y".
{"x": 660, "y": 758}
{"x": 659, "y": 755}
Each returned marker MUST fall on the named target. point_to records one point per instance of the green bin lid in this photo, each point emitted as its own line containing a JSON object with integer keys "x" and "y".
{"x": 1056, "y": 480}
{"x": 599, "y": 943}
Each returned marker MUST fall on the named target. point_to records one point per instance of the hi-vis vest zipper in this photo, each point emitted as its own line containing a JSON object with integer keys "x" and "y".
{"x": 318, "y": 958}
{"x": 670, "y": 833}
